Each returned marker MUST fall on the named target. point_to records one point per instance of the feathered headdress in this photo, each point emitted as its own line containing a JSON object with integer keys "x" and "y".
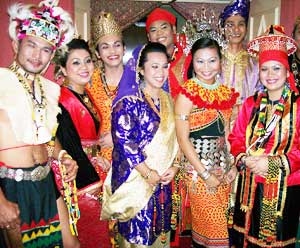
{"x": 46, "y": 21}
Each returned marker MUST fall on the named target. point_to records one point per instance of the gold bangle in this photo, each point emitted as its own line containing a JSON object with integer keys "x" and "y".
{"x": 148, "y": 175}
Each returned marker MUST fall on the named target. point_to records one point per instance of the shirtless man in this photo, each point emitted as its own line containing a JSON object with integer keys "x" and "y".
{"x": 30, "y": 204}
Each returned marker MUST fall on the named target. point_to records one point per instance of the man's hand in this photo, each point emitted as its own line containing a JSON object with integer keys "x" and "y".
{"x": 9, "y": 214}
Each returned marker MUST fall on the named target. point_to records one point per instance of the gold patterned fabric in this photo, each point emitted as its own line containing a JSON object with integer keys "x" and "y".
{"x": 103, "y": 102}
{"x": 240, "y": 71}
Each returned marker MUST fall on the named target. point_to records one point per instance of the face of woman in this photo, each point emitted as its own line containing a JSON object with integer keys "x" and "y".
{"x": 111, "y": 50}
{"x": 79, "y": 68}
{"x": 207, "y": 64}
{"x": 273, "y": 75}
{"x": 155, "y": 71}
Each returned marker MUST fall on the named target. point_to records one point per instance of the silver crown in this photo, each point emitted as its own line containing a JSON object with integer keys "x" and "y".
{"x": 202, "y": 27}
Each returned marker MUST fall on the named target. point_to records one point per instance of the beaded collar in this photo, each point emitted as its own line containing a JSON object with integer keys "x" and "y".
{"x": 39, "y": 105}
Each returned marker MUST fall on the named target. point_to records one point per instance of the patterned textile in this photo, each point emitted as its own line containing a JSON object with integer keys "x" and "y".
{"x": 177, "y": 71}
{"x": 78, "y": 133}
{"x": 207, "y": 128}
{"x": 240, "y": 72}
{"x": 294, "y": 63}
{"x": 134, "y": 126}
{"x": 253, "y": 206}
{"x": 125, "y": 12}
{"x": 92, "y": 231}
{"x": 40, "y": 226}
{"x": 209, "y": 222}
{"x": 103, "y": 101}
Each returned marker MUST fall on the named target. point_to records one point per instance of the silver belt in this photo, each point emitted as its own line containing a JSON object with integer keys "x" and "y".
{"x": 212, "y": 152}
{"x": 38, "y": 174}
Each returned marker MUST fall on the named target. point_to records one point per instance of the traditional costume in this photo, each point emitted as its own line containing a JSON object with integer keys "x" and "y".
{"x": 239, "y": 71}
{"x": 98, "y": 88}
{"x": 210, "y": 114}
{"x": 78, "y": 133}
{"x": 102, "y": 93}
{"x": 142, "y": 132}
{"x": 177, "y": 69}
{"x": 32, "y": 113}
{"x": 266, "y": 212}
{"x": 33, "y": 188}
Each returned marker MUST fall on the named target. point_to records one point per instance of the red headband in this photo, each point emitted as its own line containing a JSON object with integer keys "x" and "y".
{"x": 160, "y": 15}
{"x": 281, "y": 57}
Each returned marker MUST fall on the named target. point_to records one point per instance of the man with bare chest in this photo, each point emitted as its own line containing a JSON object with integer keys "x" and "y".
{"x": 32, "y": 212}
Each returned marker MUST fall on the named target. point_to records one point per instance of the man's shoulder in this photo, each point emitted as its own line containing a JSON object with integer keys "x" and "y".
{"x": 6, "y": 73}
{"x": 50, "y": 85}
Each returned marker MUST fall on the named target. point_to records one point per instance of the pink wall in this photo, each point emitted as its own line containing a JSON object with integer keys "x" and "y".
{"x": 290, "y": 9}
{"x": 6, "y": 52}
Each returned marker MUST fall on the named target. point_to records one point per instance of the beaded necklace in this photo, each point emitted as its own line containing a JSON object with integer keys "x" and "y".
{"x": 39, "y": 106}
{"x": 110, "y": 93}
{"x": 213, "y": 86}
{"x": 264, "y": 129}
{"x": 163, "y": 237}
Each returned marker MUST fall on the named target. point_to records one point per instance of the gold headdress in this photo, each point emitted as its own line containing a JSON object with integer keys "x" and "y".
{"x": 104, "y": 24}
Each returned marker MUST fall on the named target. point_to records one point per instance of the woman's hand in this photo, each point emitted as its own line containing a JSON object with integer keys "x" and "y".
{"x": 212, "y": 183}
{"x": 168, "y": 175}
{"x": 154, "y": 178}
{"x": 103, "y": 163}
{"x": 106, "y": 140}
{"x": 230, "y": 175}
{"x": 71, "y": 168}
{"x": 258, "y": 164}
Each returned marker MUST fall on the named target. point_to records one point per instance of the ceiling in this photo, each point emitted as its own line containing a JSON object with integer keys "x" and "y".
{"x": 190, "y": 1}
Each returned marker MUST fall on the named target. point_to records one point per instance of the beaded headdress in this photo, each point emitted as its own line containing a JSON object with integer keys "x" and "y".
{"x": 274, "y": 39}
{"x": 204, "y": 26}
{"x": 46, "y": 21}
{"x": 274, "y": 44}
{"x": 236, "y": 7}
{"x": 104, "y": 24}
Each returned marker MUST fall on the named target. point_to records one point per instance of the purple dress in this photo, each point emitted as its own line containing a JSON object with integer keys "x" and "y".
{"x": 134, "y": 125}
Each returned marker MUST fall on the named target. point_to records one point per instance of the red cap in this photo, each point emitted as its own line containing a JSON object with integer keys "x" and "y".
{"x": 159, "y": 14}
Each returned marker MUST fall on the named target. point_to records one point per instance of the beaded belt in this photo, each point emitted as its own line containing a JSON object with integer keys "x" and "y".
{"x": 213, "y": 153}
{"x": 37, "y": 174}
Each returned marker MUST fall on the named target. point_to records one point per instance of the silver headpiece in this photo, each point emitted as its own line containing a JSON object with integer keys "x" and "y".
{"x": 205, "y": 26}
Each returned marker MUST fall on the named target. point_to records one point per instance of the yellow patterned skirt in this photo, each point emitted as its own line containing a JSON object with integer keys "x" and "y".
{"x": 209, "y": 221}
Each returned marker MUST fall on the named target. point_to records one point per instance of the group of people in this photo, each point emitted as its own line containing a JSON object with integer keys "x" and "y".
{"x": 118, "y": 154}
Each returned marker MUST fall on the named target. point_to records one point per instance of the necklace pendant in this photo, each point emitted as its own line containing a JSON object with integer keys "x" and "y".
{"x": 86, "y": 99}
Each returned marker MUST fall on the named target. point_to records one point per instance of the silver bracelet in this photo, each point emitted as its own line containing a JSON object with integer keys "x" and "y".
{"x": 204, "y": 175}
